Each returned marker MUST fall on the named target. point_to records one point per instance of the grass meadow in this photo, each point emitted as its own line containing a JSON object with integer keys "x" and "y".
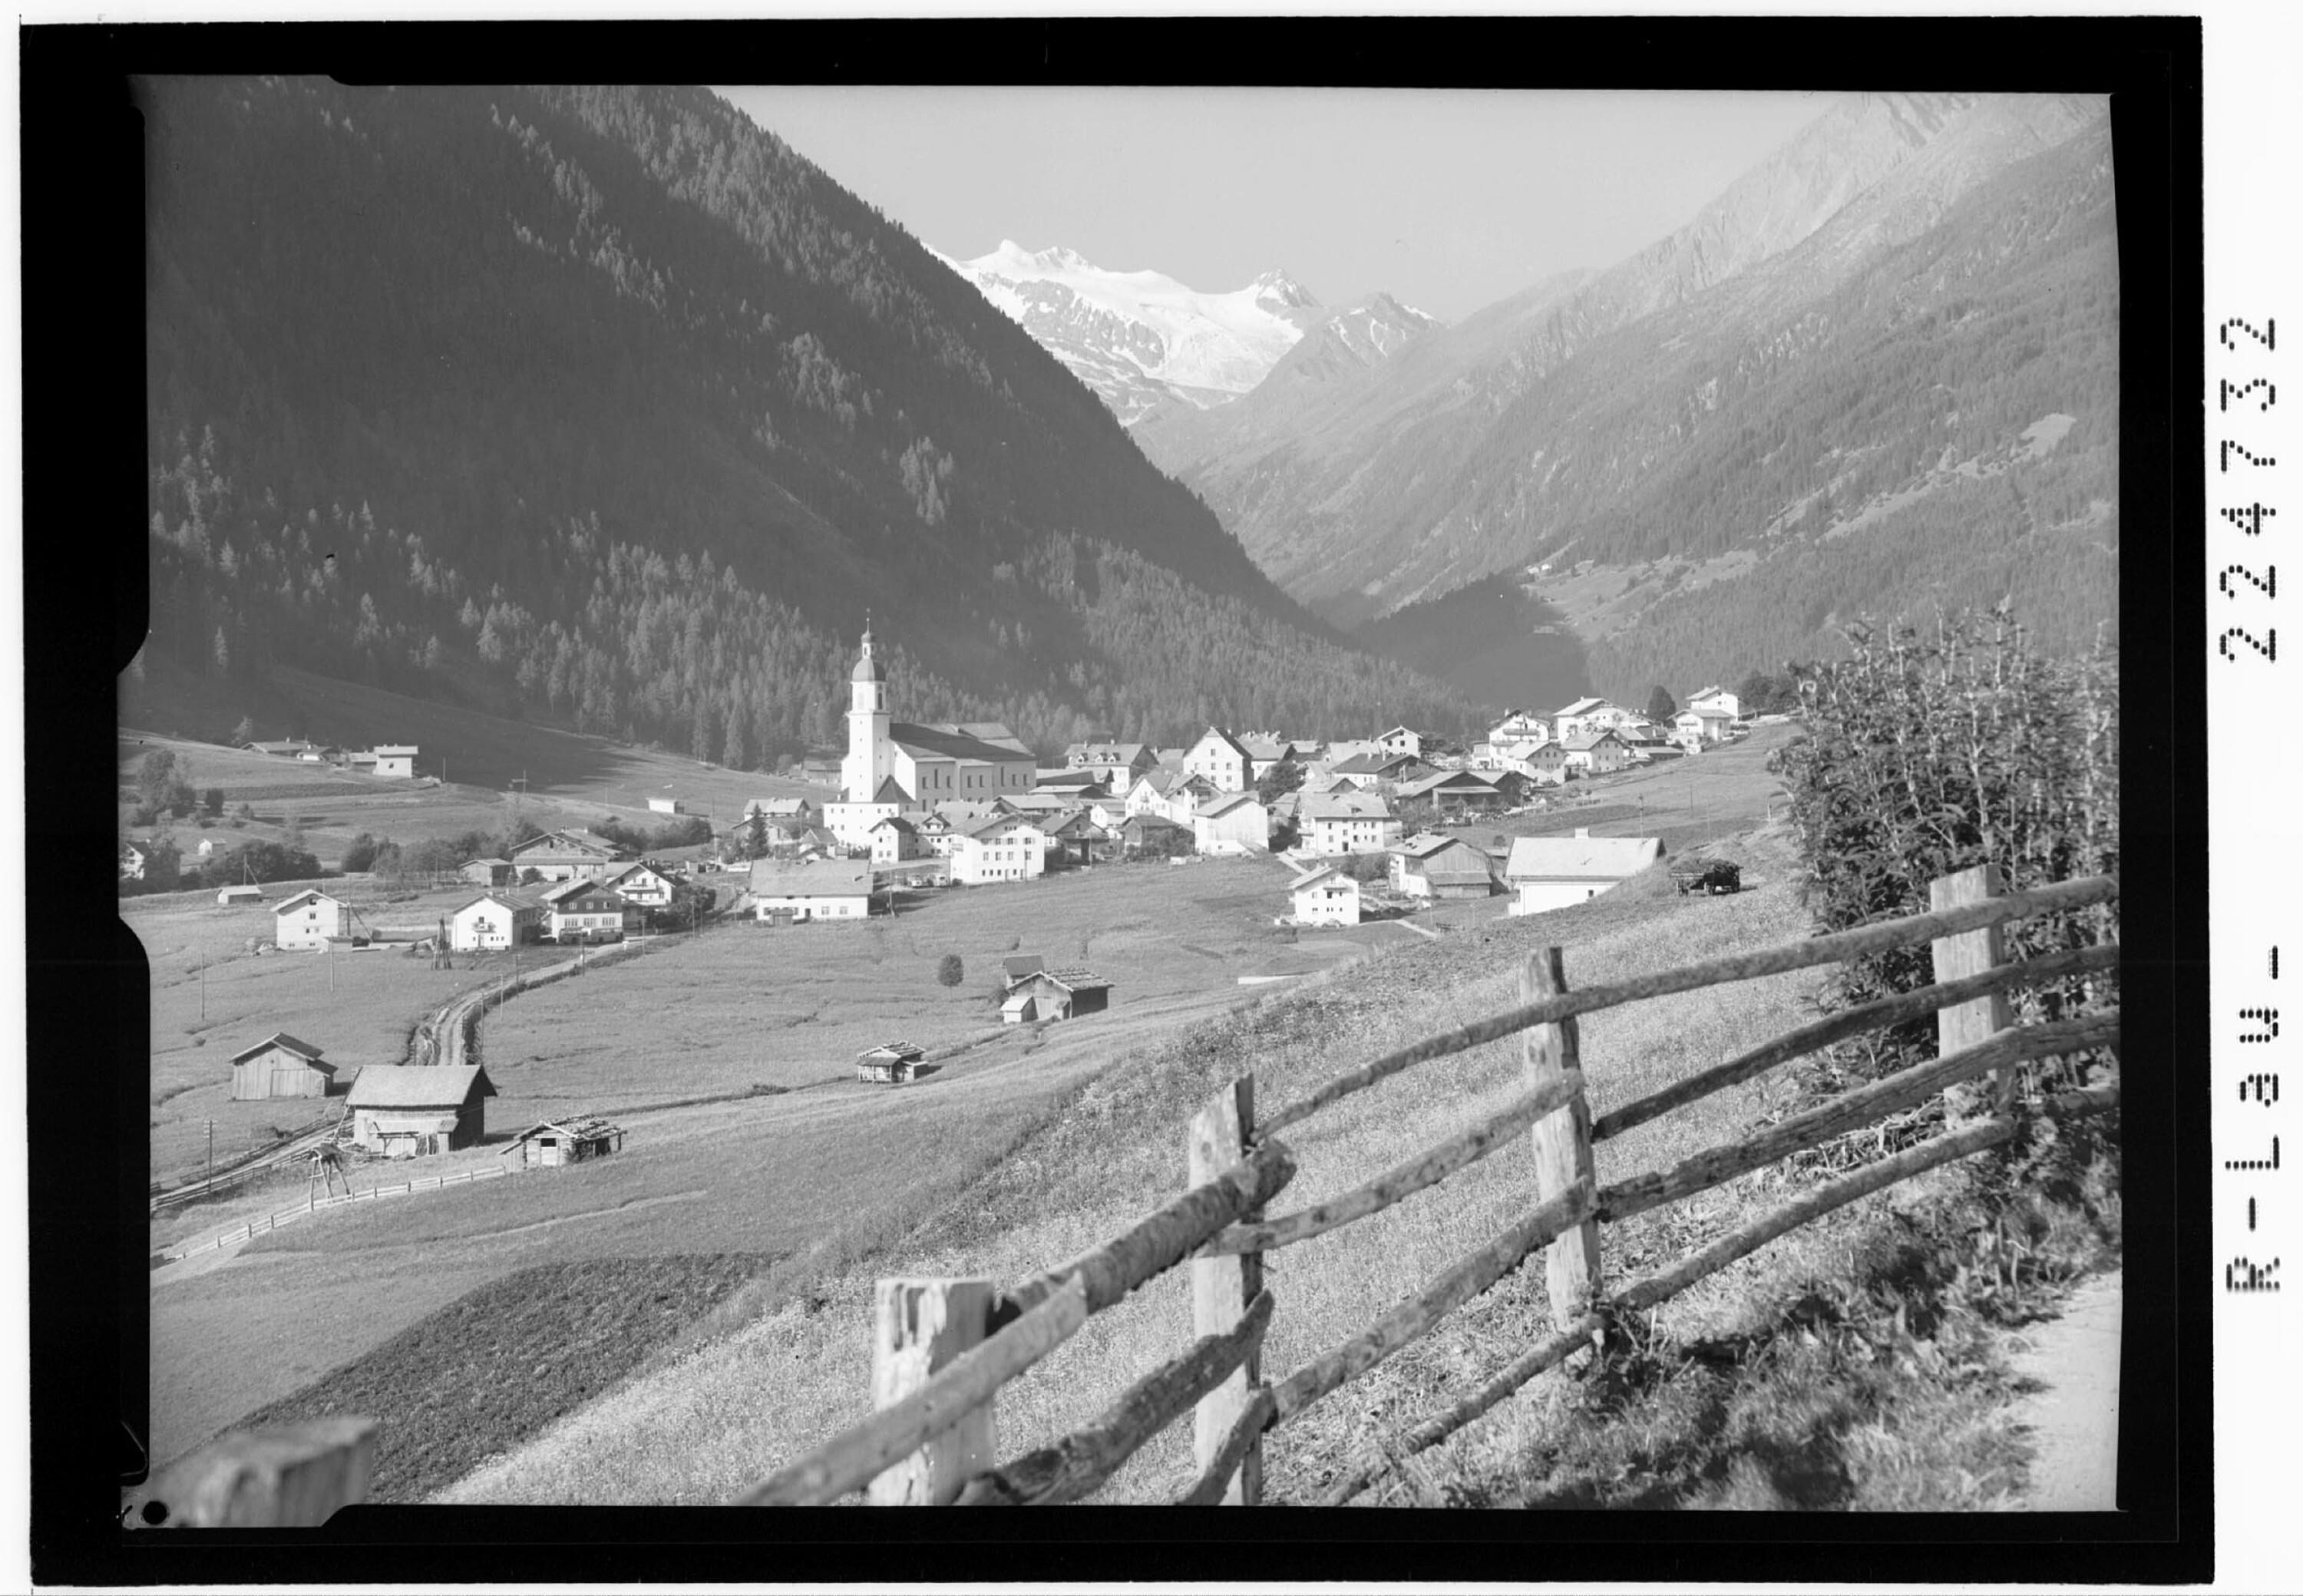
{"x": 731, "y": 1408}
{"x": 819, "y": 1169}
{"x": 210, "y": 998}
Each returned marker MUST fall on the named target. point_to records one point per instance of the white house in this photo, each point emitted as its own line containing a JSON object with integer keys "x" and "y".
{"x": 1438, "y": 865}
{"x": 1326, "y": 896}
{"x": 495, "y": 920}
{"x": 895, "y": 840}
{"x": 1547, "y": 872}
{"x": 395, "y": 759}
{"x": 131, "y": 862}
{"x": 1519, "y": 727}
{"x": 1221, "y": 760}
{"x": 1716, "y": 697}
{"x": 1702, "y": 725}
{"x": 1400, "y": 740}
{"x": 1335, "y": 822}
{"x": 1003, "y": 848}
{"x": 1598, "y": 753}
{"x": 812, "y": 890}
{"x": 1232, "y": 823}
{"x": 642, "y": 885}
{"x": 309, "y": 919}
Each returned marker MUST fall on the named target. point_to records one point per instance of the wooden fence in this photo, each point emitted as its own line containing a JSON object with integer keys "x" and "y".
{"x": 315, "y": 1205}
{"x": 944, "y": 1348}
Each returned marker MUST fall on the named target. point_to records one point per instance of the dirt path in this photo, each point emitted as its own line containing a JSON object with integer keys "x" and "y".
{"x": 2074, "y": 1418}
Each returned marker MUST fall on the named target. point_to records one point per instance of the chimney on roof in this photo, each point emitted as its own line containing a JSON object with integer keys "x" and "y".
{"x": 1583, "y": 830}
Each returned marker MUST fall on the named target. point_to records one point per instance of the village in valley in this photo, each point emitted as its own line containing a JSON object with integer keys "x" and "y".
{"x": 1346, "y": 830}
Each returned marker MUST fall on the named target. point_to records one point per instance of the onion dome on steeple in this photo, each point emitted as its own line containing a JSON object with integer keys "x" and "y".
{"x": 867, "y": 669}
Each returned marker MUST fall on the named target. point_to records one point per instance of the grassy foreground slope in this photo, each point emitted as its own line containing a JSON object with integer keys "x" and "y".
{"x": 768, "y": 1387}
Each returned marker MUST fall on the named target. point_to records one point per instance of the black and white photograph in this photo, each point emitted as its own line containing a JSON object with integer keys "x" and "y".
{"x": 1335, "y": 796}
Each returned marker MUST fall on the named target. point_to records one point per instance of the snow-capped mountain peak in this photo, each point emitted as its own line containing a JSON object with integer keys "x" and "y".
{"x": 1141, "y": 339}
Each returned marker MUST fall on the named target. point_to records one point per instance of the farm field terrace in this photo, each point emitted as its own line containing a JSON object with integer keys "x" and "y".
{"x": 822, "y": 1168}
{"x": 210, "y": 998}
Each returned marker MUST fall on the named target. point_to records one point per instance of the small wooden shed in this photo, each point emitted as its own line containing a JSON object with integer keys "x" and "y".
{"x": 240, "y": 894}
{"x": 550, "y": 1143}
{"x": 280, "y": 1065}
{"x": 891, "y": 1063}
{"x": 1055, "y": 994}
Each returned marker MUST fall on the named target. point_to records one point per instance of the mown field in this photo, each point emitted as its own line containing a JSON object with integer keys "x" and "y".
{"x": 672, "y": 1044}
{"x": 211, "y": 998}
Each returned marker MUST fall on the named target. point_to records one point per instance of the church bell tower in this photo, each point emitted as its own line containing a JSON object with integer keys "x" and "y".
{"x": 871, "y": 759}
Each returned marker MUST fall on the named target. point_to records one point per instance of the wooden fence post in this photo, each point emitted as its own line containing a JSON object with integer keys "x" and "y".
{"x": 293, "y": 1475}
{"x": 1970, "y": 953}
{"x": 1221, "y": 1290}
{"x": 1563, "y": 1142}
{"x": 920, "y": 1326}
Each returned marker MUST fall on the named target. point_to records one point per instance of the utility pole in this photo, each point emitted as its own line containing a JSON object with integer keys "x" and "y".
{"x": 211, "y": 1153}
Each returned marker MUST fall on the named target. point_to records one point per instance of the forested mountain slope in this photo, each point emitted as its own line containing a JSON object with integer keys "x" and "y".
{"x": 604, "y": 405}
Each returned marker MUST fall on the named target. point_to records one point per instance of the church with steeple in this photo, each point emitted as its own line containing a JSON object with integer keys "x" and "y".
{"x": 899, "y": 768}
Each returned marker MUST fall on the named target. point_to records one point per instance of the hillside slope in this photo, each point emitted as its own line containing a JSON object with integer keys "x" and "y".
{"x": 1669, "y": 419}
{"x": 605, "y": 405}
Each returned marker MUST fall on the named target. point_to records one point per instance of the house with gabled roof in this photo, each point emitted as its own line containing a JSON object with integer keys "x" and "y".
{"x": 1219, "y": 759}
{"x": 578, "y": 1139}
{"x": 586, "y": 910}
{"x": 1596, "y": 753}
{"x": 498, "y": 918}
{"x": 784, "y": 891}
{"x": 1451, "y": 789}
{"x": 1548, "y": 872}
{"x": 895, "y": 840}
{"x": 1005, "y": 848}
{"x": 309, "y": 920}
{"x": 1344, "y": 823}
{"x": 1231, "y": 822}
{"x": 641, "y": 883}
{"x": 1117, "y": 764}
{"x": 1381, "y": 766}
{"x": 1402, "y": 739}
{"x": 565, "y": 855}
{"x": 1714, "y": 696}
{"x": 1326, "y": 896}
{"x": 407, "y": 1110}
{"x": 1432, "y": 865}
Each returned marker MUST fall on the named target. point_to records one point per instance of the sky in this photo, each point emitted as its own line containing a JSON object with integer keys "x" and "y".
{"x": 1447, "y": 199}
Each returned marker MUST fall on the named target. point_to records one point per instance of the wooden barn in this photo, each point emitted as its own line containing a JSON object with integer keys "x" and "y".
{"x": 280, "y": 1065}
{"x": 406, "y": 1111}
{"x": 891, "y": 1063}
{"x": 552, "y": 1143}
{"x": 240, "y": 894}
{"x": 1055, "y": 994}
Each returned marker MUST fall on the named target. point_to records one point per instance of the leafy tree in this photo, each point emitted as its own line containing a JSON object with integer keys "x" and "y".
{"x": 359, "y": 854}
{"x": 530, "y": 876}
{"x": 949, "y": 971}
{"x": 259, "y": 862}
{"x": 211, "y": 801}
{"x": 245, "y": 732}
{"x": 1282, "y": 779}
{"x": 1661, "y": 706}
{"x": 164, "y": 782}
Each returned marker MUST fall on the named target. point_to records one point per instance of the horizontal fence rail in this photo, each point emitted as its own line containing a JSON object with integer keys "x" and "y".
{"x": 946, "y": 1348}
{"x": 1835, "y": 948}
{"x": 273, "y": 1221}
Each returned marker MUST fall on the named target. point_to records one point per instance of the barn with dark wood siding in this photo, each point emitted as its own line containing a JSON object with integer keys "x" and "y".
{"x": 280, "y": 1065}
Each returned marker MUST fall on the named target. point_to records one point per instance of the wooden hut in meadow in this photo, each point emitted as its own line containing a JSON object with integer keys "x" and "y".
{"x": 1055, "y": 994}
{"x": 280, "y": 1065}
{"x": 405, "y": 1110}
{"x": 891, "y": 1063}
{"x": 550, "y": 1143}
